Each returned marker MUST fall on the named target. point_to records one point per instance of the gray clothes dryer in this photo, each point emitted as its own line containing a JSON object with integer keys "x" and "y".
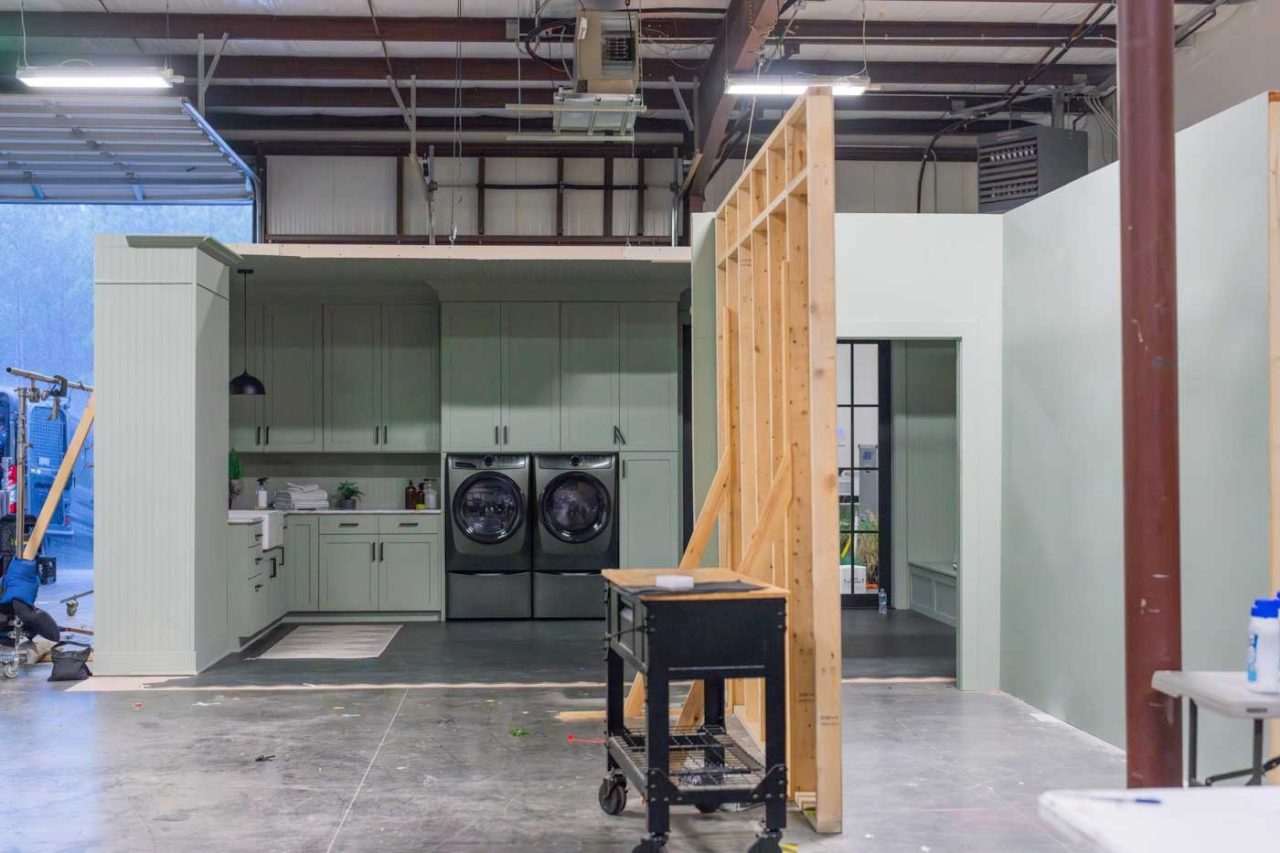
{"x": 575, "y": 533}
{"x": 488, "y": 536}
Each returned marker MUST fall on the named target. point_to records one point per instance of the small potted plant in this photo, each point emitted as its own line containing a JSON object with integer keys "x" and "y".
{"x": 235, "y": 471}
{"x": 348, "y": 494}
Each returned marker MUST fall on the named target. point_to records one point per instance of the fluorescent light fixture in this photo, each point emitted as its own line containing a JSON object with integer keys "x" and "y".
{"x": 97, "y": 77}
{"x": 750, "y": 84}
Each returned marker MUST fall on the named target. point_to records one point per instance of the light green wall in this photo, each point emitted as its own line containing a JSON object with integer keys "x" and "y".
{"x": 702, "y": 311}
{"x": 1063, "y": 484}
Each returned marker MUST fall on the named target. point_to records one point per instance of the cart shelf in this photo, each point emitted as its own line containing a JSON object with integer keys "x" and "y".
{"x": 705, "y": 758}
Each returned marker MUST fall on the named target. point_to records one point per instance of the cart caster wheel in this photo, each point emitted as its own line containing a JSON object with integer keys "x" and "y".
{"x": 707, "y": 808}
{"x": 613, "y": 795}
{"x": 651, "y": 845}
{"x": 11, "y": 670}
{"x": 72, "y": 607}
{"x": 766, "y": 844}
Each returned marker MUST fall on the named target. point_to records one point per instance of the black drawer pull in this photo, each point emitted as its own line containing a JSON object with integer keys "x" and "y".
{"x": 348, "y": 524}
{"x": 408, "y": 524}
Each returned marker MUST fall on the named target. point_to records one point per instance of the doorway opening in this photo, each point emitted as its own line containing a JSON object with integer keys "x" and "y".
{"x": 898, "y": 457}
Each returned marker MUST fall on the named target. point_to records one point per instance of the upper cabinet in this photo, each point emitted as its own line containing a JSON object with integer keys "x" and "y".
{"x": 471, "y": 375}
{"x": 381, "y": 380}
{"x": 291, "y": 371}
{"x": 619, "y": 368}
{"x": 501, "y": 376}
{"x": 648, "y": 405}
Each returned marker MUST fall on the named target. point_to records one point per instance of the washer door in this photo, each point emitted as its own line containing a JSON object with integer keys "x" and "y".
{"x": 488, "y": 508}
{"x": 575, "y": 507}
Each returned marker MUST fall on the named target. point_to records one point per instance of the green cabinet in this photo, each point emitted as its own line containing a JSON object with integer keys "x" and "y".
{"x": 500, "y": 375}
{"x": 619, "y": 376}
{"x": 589, "y": 376}
{"x": 291, "y": 371}
{"x": 471, "y": 375}
{"x": 531, "y": 376}
{"x": 648, "y": 510}
{"x": 410, "y": 348}
{"x": 301, "y": 569}
{"x": 380, "y": 378}
{"x": 408, "y": 575}
{"x": 352, "y": 377}
{"x": 648, "y": 401}
{"x": 246, "y": 354}
{"x": 348, "y": 572}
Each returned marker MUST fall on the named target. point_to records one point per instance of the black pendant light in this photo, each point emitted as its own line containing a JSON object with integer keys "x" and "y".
{"x": 246, "y": 384}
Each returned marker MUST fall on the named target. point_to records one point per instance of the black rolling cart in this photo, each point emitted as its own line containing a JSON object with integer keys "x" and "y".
{"x": 727, "y": 626}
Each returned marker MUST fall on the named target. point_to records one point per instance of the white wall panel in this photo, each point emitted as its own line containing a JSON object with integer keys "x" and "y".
{"x": 331, "y": 195}
{"x": 520, "y": 212}
{"x": 583, "y": 209}
{"x": 455, "y": 202}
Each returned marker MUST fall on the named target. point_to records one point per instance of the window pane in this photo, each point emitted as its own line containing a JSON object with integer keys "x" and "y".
{"x": 866, "y": 485}
{"x": 866, "y": 373}
{"x": 866, "y": 437}
{"x": 844, "y": 438}
{"x": 844, "y": 365}
{"x": 866, "y": 562}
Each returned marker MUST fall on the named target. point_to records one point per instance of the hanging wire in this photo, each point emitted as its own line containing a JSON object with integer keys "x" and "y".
{"x": 22, "y": 18}
{"x": 456, "y": 147}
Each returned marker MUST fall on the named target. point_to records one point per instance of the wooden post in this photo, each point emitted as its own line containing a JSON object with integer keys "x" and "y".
{"x": 1273, "y": 300}
{"x": 1149, "y": 334}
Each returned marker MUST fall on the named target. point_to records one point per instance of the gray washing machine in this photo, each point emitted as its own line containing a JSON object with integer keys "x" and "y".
{"x": 575, "y": 534}
{"x": 488, "y": 536}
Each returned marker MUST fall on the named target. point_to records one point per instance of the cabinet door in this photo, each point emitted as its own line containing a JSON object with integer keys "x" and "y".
{"x": 471, "y": 375}
{"x": 352, "y": 377}
{"x": 648, "y": 509}
{"x": 406, "y": 573}
{"x": 410, "y": 379}
{"x": 246, "y": 354}
{"x": 588, "y": 375}
{"x": 648, "y": 405}
{"x": 348, "y": 580}
{"x": 300, "y": 571}
{"x": 531, "y": 375}
{"x": 291, "y": 373}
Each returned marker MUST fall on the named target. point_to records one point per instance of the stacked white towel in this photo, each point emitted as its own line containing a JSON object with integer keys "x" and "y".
{"x": 302, "y": 496}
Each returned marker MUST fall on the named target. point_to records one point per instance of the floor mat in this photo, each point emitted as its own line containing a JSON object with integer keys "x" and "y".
{"x": 332, "y": 642}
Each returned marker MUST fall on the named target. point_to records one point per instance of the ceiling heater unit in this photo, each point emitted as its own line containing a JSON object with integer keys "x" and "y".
{"x": 1017, "y": 165}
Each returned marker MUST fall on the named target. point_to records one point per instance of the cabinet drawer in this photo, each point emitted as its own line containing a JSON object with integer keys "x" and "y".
{"x": 330, "y": 524}
{"x": 404, "y": 523}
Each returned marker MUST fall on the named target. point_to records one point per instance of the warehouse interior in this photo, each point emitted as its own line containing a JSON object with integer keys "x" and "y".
{"x": 640, "y": 425}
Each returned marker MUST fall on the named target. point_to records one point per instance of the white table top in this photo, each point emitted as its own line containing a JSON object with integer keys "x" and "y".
{"x": 1225, "y": 693}
{"x": 1171, "y": 820}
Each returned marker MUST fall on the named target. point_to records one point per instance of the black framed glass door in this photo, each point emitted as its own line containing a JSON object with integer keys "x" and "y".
{"x": 864, "y": 437}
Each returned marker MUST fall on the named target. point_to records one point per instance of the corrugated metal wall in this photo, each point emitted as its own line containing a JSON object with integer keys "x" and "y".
{"x": 356, "y": 196}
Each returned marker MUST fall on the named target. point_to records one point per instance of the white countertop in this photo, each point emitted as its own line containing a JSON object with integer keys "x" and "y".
{"x": 254, "y": 516}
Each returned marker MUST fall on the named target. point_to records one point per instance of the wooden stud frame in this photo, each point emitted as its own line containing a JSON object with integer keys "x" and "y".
{"x": 1273, "y": 366}
{"x": 775, "y": 302}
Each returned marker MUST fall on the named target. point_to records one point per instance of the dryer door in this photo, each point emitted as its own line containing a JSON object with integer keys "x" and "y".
{"x": 488, "y": 508}
{"x": 575, "y": 507}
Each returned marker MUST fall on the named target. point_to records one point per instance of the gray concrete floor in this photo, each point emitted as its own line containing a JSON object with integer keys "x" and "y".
{"x": 926, "y": 766}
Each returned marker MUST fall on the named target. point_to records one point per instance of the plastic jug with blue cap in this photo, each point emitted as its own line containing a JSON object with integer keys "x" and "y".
{"x": 1264, "y": 646}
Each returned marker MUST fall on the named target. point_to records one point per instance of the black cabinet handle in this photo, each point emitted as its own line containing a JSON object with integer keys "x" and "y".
{"x": 382, "y": 551}
{"x": 375, "y": 435}
{"x": 384, "y": 433}
{"x": 495, "y": 433}
{"x": 273, "y": 567}
{"x": 373, "y": 551}
{"x": 408, "y": 524}
{"x": 268, "y": 433}
{"x": 348, "y": 524}
{"x": 622, "y": 438}
{"x": 257, "y": 586}
{"x": 504, "y": 436}
{"x": 257, "y": 435}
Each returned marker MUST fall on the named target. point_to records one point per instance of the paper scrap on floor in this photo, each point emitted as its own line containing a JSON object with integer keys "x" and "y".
{"x": 332, "y": 642}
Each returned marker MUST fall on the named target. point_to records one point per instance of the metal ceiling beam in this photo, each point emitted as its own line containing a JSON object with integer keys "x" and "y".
{"x": 245, "y": 121}
{"x": 943, "y": 33}
{"x": 961, "y": 73}
{"x": 123, "y": 25}
{"x": 746, "y": 26}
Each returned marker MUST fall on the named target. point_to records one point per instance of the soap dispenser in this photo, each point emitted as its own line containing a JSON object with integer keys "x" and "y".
{"x": 421, "y": 500}
{"x": 261, "y": 495}
{"x": 410, "y": 496}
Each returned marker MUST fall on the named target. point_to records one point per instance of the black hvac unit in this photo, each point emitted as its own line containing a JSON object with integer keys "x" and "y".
{"x": 1015, "y": 166}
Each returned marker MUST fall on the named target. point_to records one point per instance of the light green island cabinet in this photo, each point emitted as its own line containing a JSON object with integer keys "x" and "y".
{"x": 381, "y": 378}
{"x": 500, "y": 376}
{"x": 649, "y": 510}
{"x": 301, "y": 563}
{"x": 619, "y": 376}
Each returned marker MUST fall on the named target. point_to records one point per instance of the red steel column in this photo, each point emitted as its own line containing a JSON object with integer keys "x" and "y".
{"x": 1148, "y": 307}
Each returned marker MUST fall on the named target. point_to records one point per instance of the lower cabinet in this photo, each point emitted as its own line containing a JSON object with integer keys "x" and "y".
{"x": 648, "y": 510}
{"x": 255, "y": 597}
{"x": 367, "y": 570}
{"x": 301, "y": 570}
{"x": 348, "y": 572}
{"x": 409, "y": 576}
